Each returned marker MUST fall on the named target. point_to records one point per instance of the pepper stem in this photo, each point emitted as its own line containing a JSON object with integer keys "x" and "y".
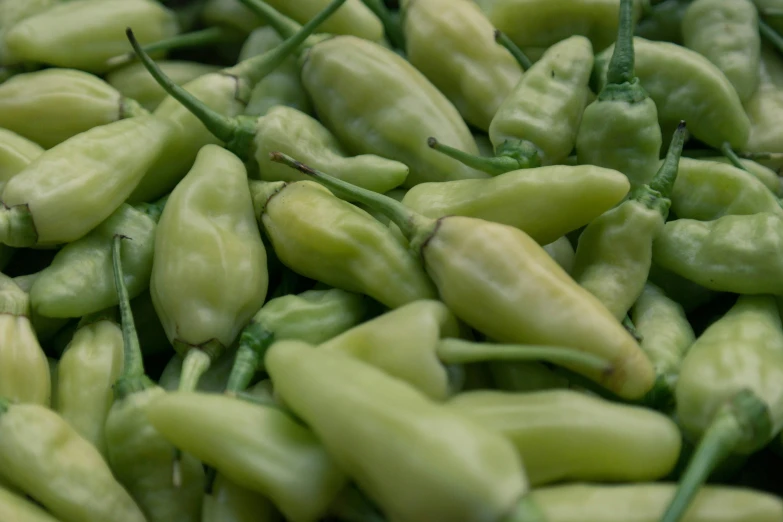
{"x": 457, "y": 351}
{"x": 732, "y": 156}
{"x": 740, "y": 420}
{"x": 195, "y": 364}
{"x": 411, "y": 223}
{"x": 253, "y": 344}
{"x": 16, "y": 227}
{"x": 621, "y": 66}
{"x": 771, "y": 35}
{"x": 664, "y": 179}
{"x": 492, "y": 166}
{"x": 502, "y": 39}
{"x": 211, "y": 35}
{"x": 391, "y": 25}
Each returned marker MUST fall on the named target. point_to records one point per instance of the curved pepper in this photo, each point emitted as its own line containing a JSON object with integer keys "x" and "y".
{"x": 24, "y": 372}
{"x": 229, "y": 502}
{"x": 729, "y": 394}
{"x": 467, "y": 65}
{"x": 564, "y": 435}
{"x": 88, "y": 368}
{"x": 314, "y": 316}
{"x": 80, "y": 279}
{"x": 740, "y": 254}
{"x": 500, "y": 282}
{"x": 620, "y": 129}
{"x": 765, "y": 107}
{"x": 209, "y": 273}
{"x": 57, "y": 35}
{"x": 19, "y": 509}
{"x": 686, "y": 86}
{"x": 85, "y": 178}
{"x": 16, "y": 153}
{"x": 140, "y": 457}
{"x": 727, "y": 33}
{"x": 475, "y": 474}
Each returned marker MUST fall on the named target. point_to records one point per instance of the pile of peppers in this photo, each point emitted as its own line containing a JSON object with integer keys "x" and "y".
{"x": 380, "y": 261}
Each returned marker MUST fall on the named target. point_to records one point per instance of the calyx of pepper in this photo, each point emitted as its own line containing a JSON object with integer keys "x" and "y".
{"x": 17, "y": 228}
{"x": 509, "y": 155}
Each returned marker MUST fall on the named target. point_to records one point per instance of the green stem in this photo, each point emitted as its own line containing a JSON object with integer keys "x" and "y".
{"x": 663, "y": 181}
{"x": 209, "y": 36}
{"x": 492, "y": 166}
{"x": 519, "y": 55}
{"x": 732, "y": 156}
{"x": 771, "y": 35}
{"x": 253, "y": 344}
{"x": 770, "y": 156}
{"x": 457, "y": 351}
{"x": 621, "y": 66}
{"x": 283, "y": 25}
{"x": 16, "y": 227}
{"x": 411, "y": 223}
{"x": 195, "y": 364}
{"x": 390, "y": 25}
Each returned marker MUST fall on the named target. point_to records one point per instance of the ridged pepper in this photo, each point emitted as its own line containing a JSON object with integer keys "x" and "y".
{"x": 500, "y": 282}
{"x": 208, "y": 246}
{"x": 16, "y": 153}
{"x": 475, "y": 474}
{"x": 765, "y": 107}
{"x": 563, "y": 435}
{"x": 467, "y": 65}
{"x": 229, "y": 502}
{"x": 19, "y": 509}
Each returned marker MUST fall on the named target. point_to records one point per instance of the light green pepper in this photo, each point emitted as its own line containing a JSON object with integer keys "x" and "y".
{"x": 766, "y": 175}
{"x": 765, "y": 107}
{"x": 45, "y": 328}
{"x": 467, "y": 65}
{"x": 564, "y": 435}
{"x": 14, "y": 11}
{"x": 16, "y": 153}
{"x": 562, "y": 252}
{"x": 727, "y": 33}
{"x": 229, "y": 502}
{"x": 208, "y": 246}
{"x": 88, "y": 368}
{"x": 19, "y": 509}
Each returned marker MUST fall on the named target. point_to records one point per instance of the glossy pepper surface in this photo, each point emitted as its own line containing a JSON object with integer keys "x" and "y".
{"x": 467, "y": 65}
{"x": 16, "y": 153}
{"x": 478, "y": 475}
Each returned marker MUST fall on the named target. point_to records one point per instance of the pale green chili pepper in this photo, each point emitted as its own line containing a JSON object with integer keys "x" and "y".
{"x": 16, "y": 153}
{"x": 766, "y": 175}
{"x": 765, "y": 107}
{"x": 45, "y": 328}
{"x": 562, "y": 252}
{"x": 18, "y": 509}
{"x": 14, "y": 11}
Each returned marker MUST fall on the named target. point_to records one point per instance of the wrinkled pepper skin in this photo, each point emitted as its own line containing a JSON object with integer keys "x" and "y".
{"x": 541, "y": 23}
{"x": 85, "y": 178}
{"x": 57, "y": 35}
{"x": 16, "y": 153}
{"x": 324, "y": 238}
{"x": 209, "y": 246}
{"x": 258, "y": 448}
{"x": 80, "y": 279}
{"x": 14, "y": 11}
{"x": 740, "y": 254}
{"x": 765, "y": 107}
{"x": 343, "y": 75}
{"x": 707, "y": 190}
{"x": 293, "y": 132}
{"x": 52, "y": 105}
{"x": 19, "y": 509}
{"x": 528, "y": 199}
{"x": 232, "y": 503}
{"x": 282, "y": 86}
{"x": 134, "y": 82}
{"x": 646, "y": 502}
{"x": 545, "y": 108}
{"x": 88, "y": 368}
{"x": 686, "y": 86}
{"x": 467, "y": 65}
{"x": 476, "y": 474}
{"x": 46, "y": 458}
{"x": 24, "y": 371}
{"x": 727, "y": 33}
{"x": 564, "y": 435}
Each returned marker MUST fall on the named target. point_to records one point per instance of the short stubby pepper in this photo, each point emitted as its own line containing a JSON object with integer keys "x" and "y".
{"x": 686, "y": 86}
{"x": 230, "y": 502}
{"x": 727, "y": 33}
{"x": 564, "y": 435}
{"x": 209, "y": 246}
{"x": 765, "y": 107}
{"x": 524, "y": 377}
{"x": 467, "y": 65}
{"x": 741, "y": 254}
{"x": 16, "y": 153}
{"x": 475, "y": 473}
{"x": 56, "y": 36}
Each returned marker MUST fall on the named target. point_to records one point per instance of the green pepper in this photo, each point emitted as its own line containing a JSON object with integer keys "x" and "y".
{"x": 529, "y": 199}
{"x": 45, "y": 328}
{"x": 562, "y": 252}
{"x": 57, "y": 36}
{"x": 467, "y": 65}
{"x": 85, "y": 375}
{"x": 728, "y": 394}
{"x": 644, "y": 503}
{"x": 14, "y": 11}
{"x": 80, "y": 279}
{"x": 375, "y": 102}
{"x": 473, "y": 473}
{"x": 282, "y": 86}
{"x": 314, "y": 316}
{"x": 209, "y": 272}
{"x": 765, "y": 107}
{"x": 16, "y": 153}
{"x": 133, "y": 82}
{"x": 42, "y": 455}
{"x": 563, "y": 435}
{"x": 85, "y": 178}
{"x": 25, "y": 372}
{"x": 727, "y": 33}
{"x": 666, "y": 337}
{"x": 663, "y": 21}
{"x": 500, "y": 282}
{"x": 19, "y": 509}
{"x": 259, "y": 448}
{"x": 620, "y": 129}
{"x": 229, "y": 502}
{"x": 322, "y": 237}
{"x": 541, "y": 23}
{"x": 614, "y": 253}
{"x": 140, "y": 457}
{"x": 766, "y": 175}
{"x": 741, "y": 254}
{"x": 686, "y": 86}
